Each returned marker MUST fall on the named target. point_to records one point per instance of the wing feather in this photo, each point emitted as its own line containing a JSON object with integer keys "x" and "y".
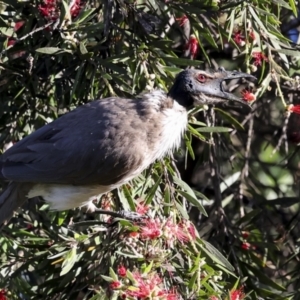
{"x": 93, "y": 144}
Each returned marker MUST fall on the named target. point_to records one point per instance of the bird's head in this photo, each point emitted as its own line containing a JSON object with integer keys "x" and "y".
{"x": 196, "y": 87}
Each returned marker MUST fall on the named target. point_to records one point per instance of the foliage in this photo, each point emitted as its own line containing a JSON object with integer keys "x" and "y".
{"x": 236, "y": 231}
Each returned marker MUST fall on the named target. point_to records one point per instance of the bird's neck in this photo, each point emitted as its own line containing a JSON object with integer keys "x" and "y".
{"x": 181, "y": 97}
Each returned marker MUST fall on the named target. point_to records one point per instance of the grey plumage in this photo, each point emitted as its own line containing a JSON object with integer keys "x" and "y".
{"x": 103, "y": 144}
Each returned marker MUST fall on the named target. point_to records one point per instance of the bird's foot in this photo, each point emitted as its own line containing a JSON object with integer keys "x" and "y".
{"x": 123, "y": 214}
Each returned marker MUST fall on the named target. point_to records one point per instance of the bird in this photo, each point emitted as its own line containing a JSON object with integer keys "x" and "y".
{"x": 99, "y": 146}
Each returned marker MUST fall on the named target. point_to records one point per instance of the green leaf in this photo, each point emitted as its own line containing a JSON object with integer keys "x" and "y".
{"x": 126, "y": 198}
{"x": 52, "y": 50}
{"x": 84, "y": 15}
{"x": 65, "y": 12}
{"x": 152, "y": 191}
{"x": 69, "y": 261}
{"x": 293, "y": 7}
{"x": 216, "y": 255}
{"x": 7, "y": 31}
{"x": 194, "y": 201}
{"x": 229, "y": 181}
{"x": 188, "y": 144}
{"x": 228, "y": 117}
{"x": 263, "y": 278}
{"x": 181, "y": 61}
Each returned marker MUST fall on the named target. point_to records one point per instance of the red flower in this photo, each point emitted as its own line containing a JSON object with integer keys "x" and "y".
{"x": 50, "y": 9}
{"x": 192, "y": 47}
{"x": 75, "y": 8}
{"x": 121, "y": 271}
{"x": 237, "y": 294}
{"x": 186, "y": 231}
{"x": 245, "y": 234}
{"x": 144, "y": 286}
{"x": 115, "y": 285}
{"x": 2, "y": 295}
{"x": 246, "y": 246}
{"x": 182, "y": 20}
{"x": 18, "y": 25}
{"x": 248, "y": 96}
{"x": 258, "y": 58}
{"x": 151, "y": 230}
{"x": 134, "y": 234}
{"x": 11, "y": 42}
{"x": 141, "y": 208}
{"x": 239, "y": 38}
{"x": 172, "y": 295}
{"x": 293, "y": 108}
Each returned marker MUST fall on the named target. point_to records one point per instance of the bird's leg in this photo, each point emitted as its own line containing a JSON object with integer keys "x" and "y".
{"x": 123, "y": 214}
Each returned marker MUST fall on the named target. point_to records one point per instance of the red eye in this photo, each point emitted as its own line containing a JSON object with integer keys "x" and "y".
{"x": 201, "y": 78}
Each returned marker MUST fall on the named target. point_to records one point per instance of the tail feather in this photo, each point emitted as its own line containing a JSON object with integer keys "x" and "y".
{"x": 13, "y": 196}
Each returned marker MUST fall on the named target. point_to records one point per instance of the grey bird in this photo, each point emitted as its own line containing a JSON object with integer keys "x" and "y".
{"x": 105, "y": 143}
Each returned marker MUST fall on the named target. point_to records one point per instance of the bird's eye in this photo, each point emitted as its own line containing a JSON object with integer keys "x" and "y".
{"x": 202, "y": 78}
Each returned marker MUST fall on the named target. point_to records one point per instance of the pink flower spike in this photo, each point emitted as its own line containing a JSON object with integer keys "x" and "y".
{"x": 142, "y": 208}
{"x": 293, "y": 108}
{"x": 246, "y": 246}
{"x": 192, "y": 46}
{"x": 237, "y": 294}
{"x": 151, "y": 230}
{"x": 239, "y": 38}
{"x": 182, "y": 20}
{"x": 18, "y": 25}
{"x": 3, "y": 295}
{"x": 115, "y": 285}
{"x": 121, "y": 271}
{"x": 248, "y": 96}
{"x": 258, "y": 58}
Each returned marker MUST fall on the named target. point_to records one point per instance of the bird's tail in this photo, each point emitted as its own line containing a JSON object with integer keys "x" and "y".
{"x": 12, "y": 197}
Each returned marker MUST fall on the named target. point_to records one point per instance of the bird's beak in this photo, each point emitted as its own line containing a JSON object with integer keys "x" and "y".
{"x": 231, "y": 76}
{"x": 216, "y": 88}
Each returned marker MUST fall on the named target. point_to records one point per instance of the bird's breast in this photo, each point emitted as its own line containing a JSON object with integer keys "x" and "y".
{"x": 167, "y": 130}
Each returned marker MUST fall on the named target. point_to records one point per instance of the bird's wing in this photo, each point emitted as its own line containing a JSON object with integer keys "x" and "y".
{"x": 94, "y": 144}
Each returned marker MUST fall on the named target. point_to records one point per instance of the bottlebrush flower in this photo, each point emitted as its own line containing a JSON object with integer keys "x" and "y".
{"x": 245, "y": 234}
{"x": 3, "y": 295}
{"x": 121, "y": 271}
{"x": 246, "y": 246}
{"x": 142, "y": 208}
{"x": 293, "y": 108}
{"x": 145, "y": 286}
{"x": 75, "y": 8}
{"x": 237, "y": 294}
{"x": 248, "y": 96}
{"x": 151, "y": 229}
{"x": 18, "y": 25}
{"x": 192, "y": 47}
{"x": 50, "y": 9}
{"x": 239, "y": 38}
{"x": 259, "y": 57}
{"x": 182, "y": 20}
{"x": 184, "y": 232}
{"x": 115, "y": 285}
